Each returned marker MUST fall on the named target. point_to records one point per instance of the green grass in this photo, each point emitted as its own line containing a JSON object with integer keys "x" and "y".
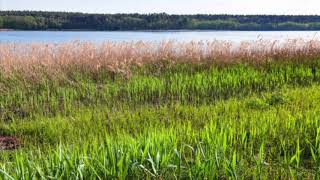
{"x": 179, "y": 122}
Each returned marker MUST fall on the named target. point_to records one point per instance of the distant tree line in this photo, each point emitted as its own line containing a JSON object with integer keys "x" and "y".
{"x": 38, "y": 20}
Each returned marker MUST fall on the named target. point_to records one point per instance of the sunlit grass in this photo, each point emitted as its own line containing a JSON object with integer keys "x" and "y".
{"x": 161, "y": 120}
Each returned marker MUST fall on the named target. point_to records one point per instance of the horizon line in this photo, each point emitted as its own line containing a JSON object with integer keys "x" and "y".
{"x": 148, "y": 13}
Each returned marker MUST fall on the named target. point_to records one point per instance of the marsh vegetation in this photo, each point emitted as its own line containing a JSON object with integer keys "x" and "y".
{"x": 170, "y": 110}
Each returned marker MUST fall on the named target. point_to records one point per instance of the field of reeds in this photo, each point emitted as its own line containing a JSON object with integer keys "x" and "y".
{"x": 169, "y": 110}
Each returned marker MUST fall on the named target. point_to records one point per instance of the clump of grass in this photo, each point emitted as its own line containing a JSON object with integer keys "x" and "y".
{"x": 222, "y": 140}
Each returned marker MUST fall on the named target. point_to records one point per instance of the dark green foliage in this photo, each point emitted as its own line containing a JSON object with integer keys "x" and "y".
{"x": 1, "y": 22}
{"x": 35, "y": 20}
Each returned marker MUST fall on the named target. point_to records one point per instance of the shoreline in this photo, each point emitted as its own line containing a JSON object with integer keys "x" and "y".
{"x": 4, "y": 30}
{"x": 168, "y": 30}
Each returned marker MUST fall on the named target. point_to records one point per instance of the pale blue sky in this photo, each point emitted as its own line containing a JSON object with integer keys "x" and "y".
{"x": 169, "y": 6}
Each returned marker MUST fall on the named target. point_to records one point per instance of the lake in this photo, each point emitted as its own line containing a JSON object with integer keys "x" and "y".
{"x": 120, "y": 36}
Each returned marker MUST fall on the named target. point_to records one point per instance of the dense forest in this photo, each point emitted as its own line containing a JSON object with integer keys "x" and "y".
{"x": 38, "y": 20}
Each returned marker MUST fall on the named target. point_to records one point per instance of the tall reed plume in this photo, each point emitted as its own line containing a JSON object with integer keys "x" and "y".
{"x": 34, "y": 60}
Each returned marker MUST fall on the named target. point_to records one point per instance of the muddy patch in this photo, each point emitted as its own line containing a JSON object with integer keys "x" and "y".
{"x": 9, "y": 143}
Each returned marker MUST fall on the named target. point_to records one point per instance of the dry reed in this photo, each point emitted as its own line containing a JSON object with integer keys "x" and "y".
{"x": 35, "y": 60}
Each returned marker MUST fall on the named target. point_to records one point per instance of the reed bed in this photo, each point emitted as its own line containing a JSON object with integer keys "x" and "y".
{"x": 54, "y": 60}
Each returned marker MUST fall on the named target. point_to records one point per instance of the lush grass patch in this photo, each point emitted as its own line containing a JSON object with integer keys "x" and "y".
{"x": 182, "y": 121}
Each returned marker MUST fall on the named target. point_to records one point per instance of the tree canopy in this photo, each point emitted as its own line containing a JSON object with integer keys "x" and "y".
{"x": 40, "y": 20}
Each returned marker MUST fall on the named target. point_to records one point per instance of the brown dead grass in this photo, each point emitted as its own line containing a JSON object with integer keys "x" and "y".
{"x": 36, "y": 60}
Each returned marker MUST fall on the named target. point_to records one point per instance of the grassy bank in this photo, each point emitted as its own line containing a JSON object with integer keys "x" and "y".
{"x": 162, "y": 120}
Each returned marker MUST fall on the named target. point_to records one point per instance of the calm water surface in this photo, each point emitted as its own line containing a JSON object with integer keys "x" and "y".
{"x": 235, "y": 36}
